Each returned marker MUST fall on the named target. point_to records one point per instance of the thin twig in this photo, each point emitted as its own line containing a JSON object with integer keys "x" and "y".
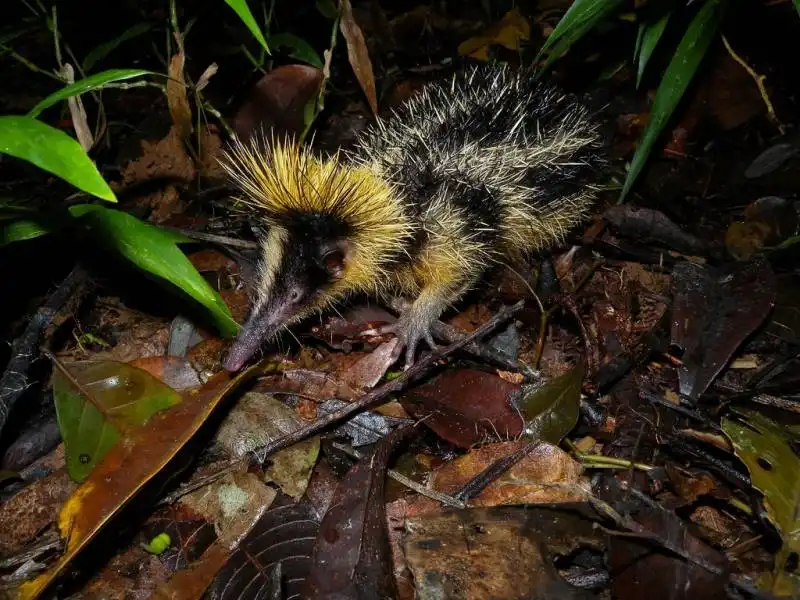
{"x": 759, "y": 79}
{"x": 380, "y": 394}
{"x": 214, "y": 239}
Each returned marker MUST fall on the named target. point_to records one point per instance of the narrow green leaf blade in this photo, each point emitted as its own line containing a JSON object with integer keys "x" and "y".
{"x": 54, "y": 151}
{"x": 240, "y": 8}
{"x": 679, "y": 73}
{"x": 22, "y": 229}
{"x": 101, "y": 51}
{"x": 297, "y": 48}
{"x": 579, "y": 19}
{"x": 89, "y": 84}
{"x": 651, "y": 34}
{"x": 154, "y": 251}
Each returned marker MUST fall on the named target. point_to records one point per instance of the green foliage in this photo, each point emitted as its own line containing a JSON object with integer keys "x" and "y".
{"x": 646, "y": 42}
{"x": 584, "y": 15}
{"x": 100, "y": 52}
{"x": 581, "y": 17}
{"x": 19, "y": 230}
{"x": 296, "y": 48}
{"x": 89, "y": 84}
{"x": 54, "y": 151}
{"x": 96, "y": 402}
{"x": 676, "y": 79}
{"x": 241, "y": 9}
{"x": 155, "y": 251}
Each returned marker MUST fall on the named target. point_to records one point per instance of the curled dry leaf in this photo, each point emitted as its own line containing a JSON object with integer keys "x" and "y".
{"x": 509, "y": 32}
{"x": 177, "y": 98}
{"x": 128, "y": 468}
{"x": 358, "y": 55}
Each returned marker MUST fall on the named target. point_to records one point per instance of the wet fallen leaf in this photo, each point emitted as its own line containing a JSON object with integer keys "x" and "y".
{"x": 178, "y": 373}
{"x": 509, "y": 32}
{"x": 285, "y": 535}
{"x": 352, "y": 557}
{"x": 258, "y": 419}
{"x": 713, "y": 312}
{"x": 466, "y": 406}
{"x": 499, "y": 553}
{"x": 652, "y": 225}
{"x": 770, "y": 160}
{"x": 547, "y": 475}
{"x": 233, "y": 504}
{"x": 358, "y": 55}
{"x": 97, "y": 402}
{"x": 127, "y": 468}
{"x": 643, "y": 569}
{"x": 764, "y": 447}
{"x": 552, "y": 411}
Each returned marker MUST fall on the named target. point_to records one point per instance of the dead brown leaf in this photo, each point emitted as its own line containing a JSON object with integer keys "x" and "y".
{"x": 358, "y": 55}
{"x": 177, "y": 99}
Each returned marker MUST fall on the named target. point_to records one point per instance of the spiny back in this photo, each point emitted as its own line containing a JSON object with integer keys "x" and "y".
{"x": 510, "y": 154}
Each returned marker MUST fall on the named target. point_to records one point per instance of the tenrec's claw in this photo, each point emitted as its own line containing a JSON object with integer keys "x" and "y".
{"x": 409, "y": 334}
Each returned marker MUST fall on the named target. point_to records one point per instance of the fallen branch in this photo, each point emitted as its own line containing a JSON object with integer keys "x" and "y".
{"x": 24, "y": 349}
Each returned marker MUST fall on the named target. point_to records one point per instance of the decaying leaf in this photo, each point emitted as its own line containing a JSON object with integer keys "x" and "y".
{"x": 764, "y": 447}
{"x": 358, "y": 55}
{"x": 285, "y": 535}
{"x": 498, "y": 553}
{"x": 177, "y": 98}
{"x": 713, "y": 312}
{"x": 256, "y": 420}
{"x": 553, "y": 410}
{"x": 96, "y": 402}
{"x": 547, "y": 475}
{"x": 127, "y": 468}
{"x": 509, "y": 32}
{"x": 352, "y": 557}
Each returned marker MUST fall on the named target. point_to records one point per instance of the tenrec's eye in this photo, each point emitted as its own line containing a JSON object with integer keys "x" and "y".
{"x": 295, "y": 295}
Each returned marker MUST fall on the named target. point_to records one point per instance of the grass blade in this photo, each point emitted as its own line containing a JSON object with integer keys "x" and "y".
{"x": 101, "y": 51}
{"x": 679, "y": 73}
{"x": 155, "y": 251}
{"x": 650, "y": 35}
{"x": 54, "y": 151}
{"x": 580, "y": 18}
{"x": 240, "y": 8}
{"x": 89, "y": 84}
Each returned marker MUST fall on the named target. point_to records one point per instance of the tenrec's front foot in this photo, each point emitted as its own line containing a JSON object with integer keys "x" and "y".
{"x": 410, "y": 332}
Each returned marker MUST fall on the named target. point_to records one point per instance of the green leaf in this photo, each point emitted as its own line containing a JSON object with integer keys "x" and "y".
{"x": 54, "y": 151}
{"x": 122, "y": 397}
{"x": 552, "y": 411}
{"x": 91, "y": 83}
{"x": 22, "y": 229}
{"x": 764, "y": 447}
{"x": 328, "y": 9}
{"x": 241, "y": 9}
{"x": 676, "y": 79}
{"x": 99, "y": 52}
{"x": 580, "y": 18}
{"x": 154, "y": 251}
{"x": 298, "y": 48}
{"x": 650, "y": 35}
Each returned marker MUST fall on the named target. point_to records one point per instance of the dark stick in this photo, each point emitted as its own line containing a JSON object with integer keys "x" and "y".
{"x": 24, "y": 348}
{"x": 222, "y": 240}
{"x": 381, "y": 393}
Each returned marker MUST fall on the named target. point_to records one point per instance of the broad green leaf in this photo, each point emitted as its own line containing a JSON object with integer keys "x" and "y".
{"x": 676, "y": 79}
{"x": 553, "y": 410}
{"x": 54, "y": 151}
{"x": 101, "y": 51}
{"x": 154, "y": 250}
{"x": 797, "y": 5}
{"x": 650, "y": 34}
{"x": 122, "y": 397}
{"x": 20, "y": 230}
{"x": 297, "y": 48}
{"x": 241, "y": 9}
{"x": 328, "y": 9}
{"x": 89, "y": 84}
{"x": 580, "y": 18}
{"x": 764, "y": 447}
